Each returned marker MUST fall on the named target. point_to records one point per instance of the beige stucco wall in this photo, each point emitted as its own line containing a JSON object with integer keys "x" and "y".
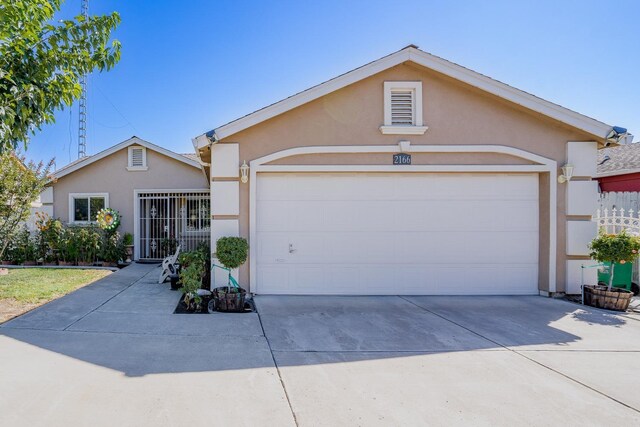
{"x": 110, "y": 175}
{"x": 455, "y": 114}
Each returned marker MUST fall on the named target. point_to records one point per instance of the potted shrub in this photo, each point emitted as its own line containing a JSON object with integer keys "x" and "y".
{"x": 232, "y": 253}
{"x": 611, "y": 248}
{"x": 127, "y": 241}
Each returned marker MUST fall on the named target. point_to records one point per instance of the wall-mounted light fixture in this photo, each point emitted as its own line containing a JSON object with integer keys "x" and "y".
{"x": 567, "y": 173}
{"x": 244, "y": 172}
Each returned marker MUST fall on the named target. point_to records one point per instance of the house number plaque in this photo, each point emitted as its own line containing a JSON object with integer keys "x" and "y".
{"x": 402, "y": 159}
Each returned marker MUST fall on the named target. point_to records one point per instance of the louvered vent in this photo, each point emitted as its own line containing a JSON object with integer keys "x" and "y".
{"x": 402, "y": 107}
{"x": 137, "y": 157}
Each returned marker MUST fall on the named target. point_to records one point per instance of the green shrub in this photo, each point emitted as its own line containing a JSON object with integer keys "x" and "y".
{"x": 232, "y": 251}
{"x": 113, "y": 249}
{"x": 169, "y": 245}
{"x": 127, "y": 239}
{"x": 68, "y": 247}
{"x": 89, "y": 243}
{"x": 185, "y": 259}
{"x": 191, "y": 279}
{"x": 23, "y": 247}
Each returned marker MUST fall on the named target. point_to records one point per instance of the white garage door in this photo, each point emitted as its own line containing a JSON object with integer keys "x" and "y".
{"x": 397, "y": 233}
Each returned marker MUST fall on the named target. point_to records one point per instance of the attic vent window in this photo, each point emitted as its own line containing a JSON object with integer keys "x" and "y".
{"x": 137, "y": 159}
{"x": 403, "y": 109}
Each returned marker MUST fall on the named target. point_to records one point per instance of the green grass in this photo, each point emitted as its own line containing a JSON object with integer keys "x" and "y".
{"x": 36, "y": 285}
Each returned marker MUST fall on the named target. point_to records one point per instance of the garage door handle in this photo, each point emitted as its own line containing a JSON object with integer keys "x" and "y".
{"x": 291, "y": 250}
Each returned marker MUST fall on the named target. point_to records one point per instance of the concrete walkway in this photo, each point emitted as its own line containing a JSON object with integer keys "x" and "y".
{"x": 113, "y": 353}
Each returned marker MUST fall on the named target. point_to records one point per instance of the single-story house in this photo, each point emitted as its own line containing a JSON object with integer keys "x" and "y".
{"x": 162, "y": 196}
{"x": 408, "y": 175}
{"x": 619, "y": 168}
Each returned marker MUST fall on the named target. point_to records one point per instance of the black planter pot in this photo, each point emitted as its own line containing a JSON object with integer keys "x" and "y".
{"x": 175, "y": 284}
{"x": 229, "y": 299}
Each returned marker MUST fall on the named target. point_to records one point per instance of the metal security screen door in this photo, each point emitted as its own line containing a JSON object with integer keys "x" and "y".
{"x": 168, "y": 219}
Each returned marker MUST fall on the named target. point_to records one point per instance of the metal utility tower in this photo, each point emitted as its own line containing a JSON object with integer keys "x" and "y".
{"x": 82, "y": 116}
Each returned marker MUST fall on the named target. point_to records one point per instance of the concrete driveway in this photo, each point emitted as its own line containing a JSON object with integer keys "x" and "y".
{"x": 114, "y": 354}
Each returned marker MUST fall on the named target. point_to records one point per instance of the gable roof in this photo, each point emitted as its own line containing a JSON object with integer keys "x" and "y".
{"x": 621, "y": 160}
{"x": 413, "y": 54}
{"x": 134, "y": 140}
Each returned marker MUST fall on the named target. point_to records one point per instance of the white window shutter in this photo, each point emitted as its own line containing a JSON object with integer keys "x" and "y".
{"x": 402, "y": 107}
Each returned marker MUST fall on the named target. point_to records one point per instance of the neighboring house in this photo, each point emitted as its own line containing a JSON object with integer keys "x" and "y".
{"x": 409, "y": 175}
{"x": 619, "y": 168}
{"x": 162, "y": 196}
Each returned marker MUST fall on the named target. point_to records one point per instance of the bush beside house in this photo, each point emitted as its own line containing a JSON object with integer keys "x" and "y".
{"x": 55, "y": 243}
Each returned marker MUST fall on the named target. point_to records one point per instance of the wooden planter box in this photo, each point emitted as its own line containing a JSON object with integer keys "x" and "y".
{"x": 601, "y": 297}
{"x": 229, "y": 299}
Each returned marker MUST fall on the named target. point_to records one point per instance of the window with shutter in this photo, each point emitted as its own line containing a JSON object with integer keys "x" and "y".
{"x": 137, "y": 159}
{"x": 403, "y": 109}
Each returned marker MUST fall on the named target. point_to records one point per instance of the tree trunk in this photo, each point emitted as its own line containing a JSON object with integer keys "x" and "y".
{"x": 613, "y": 264}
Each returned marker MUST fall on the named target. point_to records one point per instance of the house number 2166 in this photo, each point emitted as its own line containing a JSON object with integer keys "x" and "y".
{"x": 402, "y": 159}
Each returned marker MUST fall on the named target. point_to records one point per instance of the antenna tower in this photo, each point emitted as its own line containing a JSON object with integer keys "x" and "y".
{"x": 82, "y": 116}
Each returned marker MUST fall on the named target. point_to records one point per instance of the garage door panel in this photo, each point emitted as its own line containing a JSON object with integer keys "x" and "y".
{"x": 397, "y": 233}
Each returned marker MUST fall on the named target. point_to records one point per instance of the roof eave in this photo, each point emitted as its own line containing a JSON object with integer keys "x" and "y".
{"x": 126, "y": 143}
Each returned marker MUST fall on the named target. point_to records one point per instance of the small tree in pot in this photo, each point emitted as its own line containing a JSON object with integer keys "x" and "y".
{"x": 232, "y": 252}
{"x": 612, "y": 248}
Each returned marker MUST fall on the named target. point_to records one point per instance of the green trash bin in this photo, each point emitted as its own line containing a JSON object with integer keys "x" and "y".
{"x": 622, "y": 275}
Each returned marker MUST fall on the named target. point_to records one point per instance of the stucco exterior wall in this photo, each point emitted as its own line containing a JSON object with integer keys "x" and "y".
{"x": 456, "y": 114}
{"x": 110, "y": 175}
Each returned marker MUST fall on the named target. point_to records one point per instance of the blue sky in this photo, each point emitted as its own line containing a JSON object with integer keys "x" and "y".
{"x": 189, "y": 66}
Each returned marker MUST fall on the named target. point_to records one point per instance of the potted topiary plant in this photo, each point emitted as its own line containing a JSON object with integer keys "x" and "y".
{"x": 611, "y": 248}
{"x": 127, "y": 241}
{"x": 231, "y": 252}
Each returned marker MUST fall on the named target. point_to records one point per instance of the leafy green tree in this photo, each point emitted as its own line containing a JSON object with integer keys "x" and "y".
{"x": 20, "y": 185}
{"x": 42, "y": 61}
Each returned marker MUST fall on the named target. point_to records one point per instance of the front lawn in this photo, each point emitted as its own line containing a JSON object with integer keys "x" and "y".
{"x": 24, "y": 289}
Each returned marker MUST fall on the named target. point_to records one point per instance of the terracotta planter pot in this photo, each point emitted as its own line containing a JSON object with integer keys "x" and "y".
{"x": 601, "y": 297}
{"x": 109, "y": 264}
{"x": 7, "y": 262}
{"x": 85, "y": 264}
{"x": 29, "y": 263}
